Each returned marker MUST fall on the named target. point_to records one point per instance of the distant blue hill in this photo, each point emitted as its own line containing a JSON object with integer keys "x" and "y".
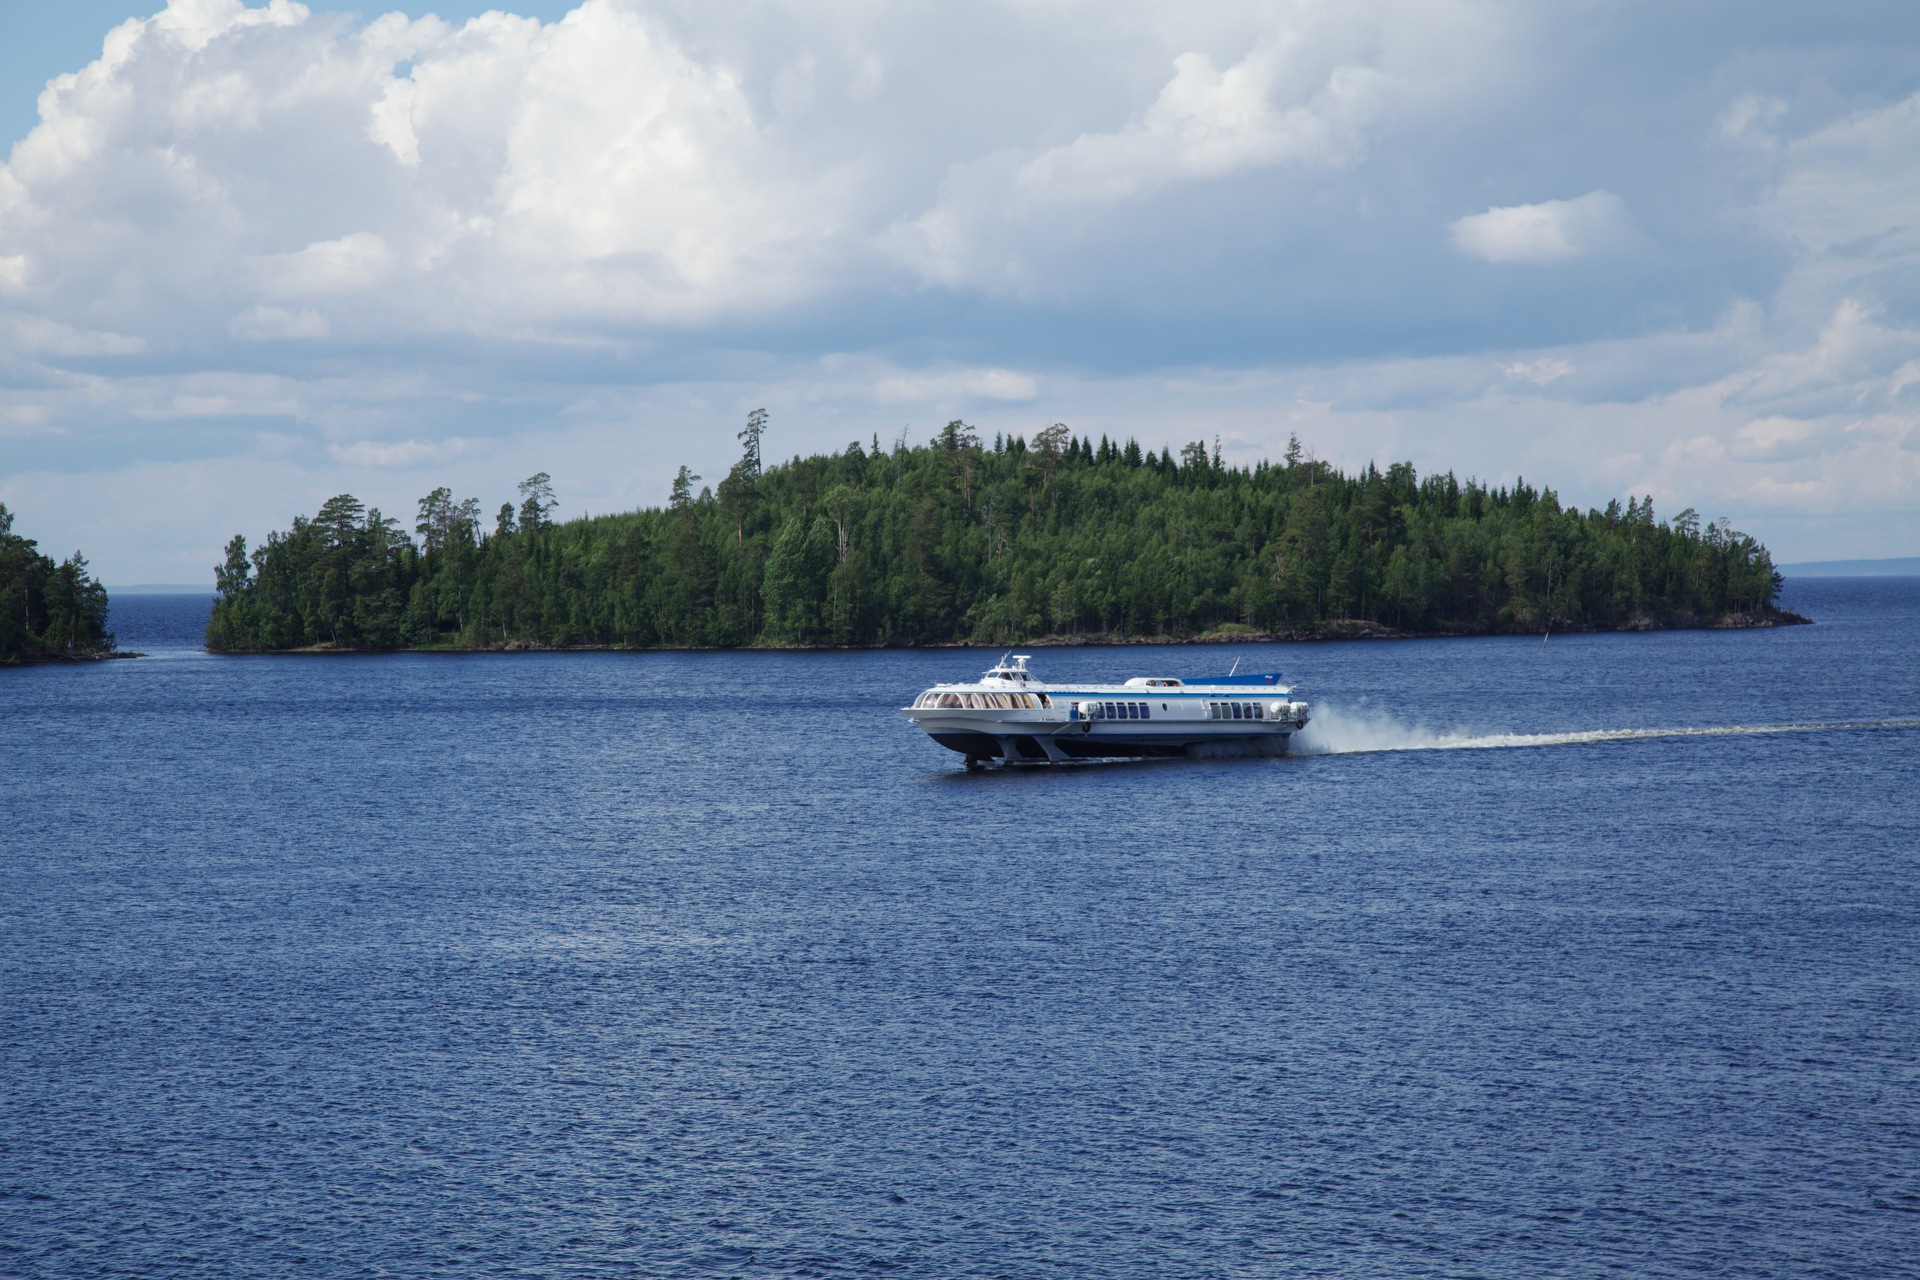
{"x": 1899, "y": 566}
{"x": 163, "y": 589}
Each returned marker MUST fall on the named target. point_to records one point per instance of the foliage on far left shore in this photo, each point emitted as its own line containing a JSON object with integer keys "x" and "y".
{"x": 48, "y": 612}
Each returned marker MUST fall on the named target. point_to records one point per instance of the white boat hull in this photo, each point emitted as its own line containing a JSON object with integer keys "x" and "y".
{"x": 1008, "y": 739}
{"x": 1013, "y": 718}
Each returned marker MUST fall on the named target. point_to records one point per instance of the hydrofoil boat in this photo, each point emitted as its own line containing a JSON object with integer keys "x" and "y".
{"x": 1008, "y": 714}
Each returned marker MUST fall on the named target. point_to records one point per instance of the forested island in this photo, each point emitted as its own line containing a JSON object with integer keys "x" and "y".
{"x": 959, "y": 541}
{"x": 48, "y": 612}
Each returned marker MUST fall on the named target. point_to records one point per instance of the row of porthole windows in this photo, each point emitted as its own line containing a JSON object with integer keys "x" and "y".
{"x": 1235, "y": 711}
{"x": 1117, "y": 711}
{"x": 983, "y": 701}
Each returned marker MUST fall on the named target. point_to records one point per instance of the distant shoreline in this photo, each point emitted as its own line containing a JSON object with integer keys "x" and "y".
{"x": 68, "y": 659}
{"x": 1326, "y": 632}
{"x": 1893, "y": 567}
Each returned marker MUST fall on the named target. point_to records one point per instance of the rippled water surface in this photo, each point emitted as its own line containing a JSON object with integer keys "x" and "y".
{"x": 709, "y": 965}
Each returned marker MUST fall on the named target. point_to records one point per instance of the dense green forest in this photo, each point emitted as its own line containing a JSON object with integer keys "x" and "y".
{"x": 47, "y": 611}
{"x": 959, "y": 540}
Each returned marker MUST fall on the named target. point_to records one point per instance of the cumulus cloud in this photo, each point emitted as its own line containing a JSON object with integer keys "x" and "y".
{"x": 646, "y": 165}
{"x": 1207, "y": 122}
{"x": 1308, "y": 92}
{"x": 1539, "y": 372}
{"x": 218, "y": 159}
{"x": 319, "y": 252}
{"x": 1551, "y": 231}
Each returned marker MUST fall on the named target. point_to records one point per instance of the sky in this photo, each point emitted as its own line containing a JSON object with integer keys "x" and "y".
{"x": 251, "y": 257}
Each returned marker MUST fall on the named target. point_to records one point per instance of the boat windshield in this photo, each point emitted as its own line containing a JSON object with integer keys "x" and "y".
{"x": 981, "y": 701}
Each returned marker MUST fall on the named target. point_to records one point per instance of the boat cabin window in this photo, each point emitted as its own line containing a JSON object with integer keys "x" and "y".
{"x": 983, "y": 701}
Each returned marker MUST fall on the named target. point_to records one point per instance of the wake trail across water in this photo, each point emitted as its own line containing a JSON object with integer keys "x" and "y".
{"x": 1333, "y": 732}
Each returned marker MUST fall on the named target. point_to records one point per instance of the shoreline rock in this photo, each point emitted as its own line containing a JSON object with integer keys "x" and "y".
{"x": 1336, "y": 630}
{"x": 47, "y": 659}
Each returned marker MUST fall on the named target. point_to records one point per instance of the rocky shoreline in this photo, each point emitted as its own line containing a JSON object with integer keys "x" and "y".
{"x": 49, "y": 659}
{"x": 1342, "y": 629}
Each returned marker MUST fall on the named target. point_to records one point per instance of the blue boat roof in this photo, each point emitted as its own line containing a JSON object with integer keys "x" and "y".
{"x": 1258, "y": 678}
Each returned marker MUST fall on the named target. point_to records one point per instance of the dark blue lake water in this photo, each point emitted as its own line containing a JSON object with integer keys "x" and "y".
{"x": 709, "y": 964}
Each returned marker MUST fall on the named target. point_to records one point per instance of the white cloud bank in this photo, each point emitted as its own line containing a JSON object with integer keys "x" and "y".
{"x": 1313, "y": 86}
{"x": 1551, "y": 231}
{"x": 404, "y": 176}
{"x": 301, "y": 252}
{"x": 644, "y": 165}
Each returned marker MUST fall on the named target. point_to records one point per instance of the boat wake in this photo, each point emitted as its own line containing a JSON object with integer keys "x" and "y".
{"x": 1336, "y": 733}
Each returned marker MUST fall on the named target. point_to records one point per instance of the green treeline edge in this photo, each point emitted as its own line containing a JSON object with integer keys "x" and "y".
{"x": 48, "y": 611}
{"x": 957, "y": 541}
